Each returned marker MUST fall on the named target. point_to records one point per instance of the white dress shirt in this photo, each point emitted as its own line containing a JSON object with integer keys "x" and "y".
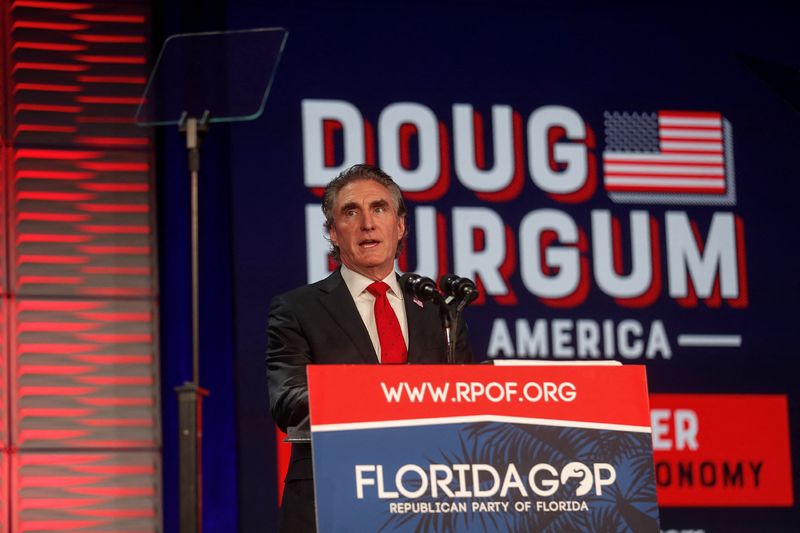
{"x": 365, "y": 303}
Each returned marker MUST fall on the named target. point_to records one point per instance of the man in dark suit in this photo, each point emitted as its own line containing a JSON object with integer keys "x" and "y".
{"x": 357, "y": 315}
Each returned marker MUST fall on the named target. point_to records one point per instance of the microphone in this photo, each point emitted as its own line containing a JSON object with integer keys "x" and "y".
{"x": 421, "y": 287}
{"x": 457, "y": 287}
{"x": 425, "y": 289}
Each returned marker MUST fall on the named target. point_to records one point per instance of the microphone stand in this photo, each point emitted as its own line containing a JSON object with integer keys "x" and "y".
{"x": 449, "y": 325}
{"x": 451, "y": 316}
{"x": 425, "y": 289}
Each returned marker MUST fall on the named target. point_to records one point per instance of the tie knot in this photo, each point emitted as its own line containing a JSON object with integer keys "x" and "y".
{"x": 378, "y": 289}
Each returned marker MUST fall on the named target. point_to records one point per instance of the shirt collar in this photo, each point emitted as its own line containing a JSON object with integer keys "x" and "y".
{"x": 358, "y": 283}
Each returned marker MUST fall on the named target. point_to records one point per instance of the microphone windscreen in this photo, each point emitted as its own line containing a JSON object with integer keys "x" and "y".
{"x": 447, "y": 284}
{"x": 408, "y": 280}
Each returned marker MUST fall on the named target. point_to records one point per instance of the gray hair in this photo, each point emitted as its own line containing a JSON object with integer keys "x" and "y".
{"x": 356, "y": 173}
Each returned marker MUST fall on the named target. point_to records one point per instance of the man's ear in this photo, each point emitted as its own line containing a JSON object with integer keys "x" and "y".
{"x": 401, "y": 226}
{"x": 332, "y": 235}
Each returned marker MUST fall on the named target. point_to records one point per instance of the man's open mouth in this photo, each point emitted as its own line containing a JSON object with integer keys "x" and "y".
{"x": 369, "y": 243}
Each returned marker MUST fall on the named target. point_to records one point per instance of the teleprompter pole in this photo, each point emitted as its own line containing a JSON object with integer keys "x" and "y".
{"x": 190, "y": 394}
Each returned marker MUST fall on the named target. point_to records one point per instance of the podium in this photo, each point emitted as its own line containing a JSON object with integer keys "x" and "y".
{"x": 482, "y": 448}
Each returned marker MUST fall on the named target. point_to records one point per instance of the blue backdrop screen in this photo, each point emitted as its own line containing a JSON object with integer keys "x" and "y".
{"x": 621, "y": 182}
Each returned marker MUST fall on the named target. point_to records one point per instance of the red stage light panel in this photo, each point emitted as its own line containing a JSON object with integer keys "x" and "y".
{"x": 77, "y": 74}
{"x": 4, "y": 173}
{"x": 84, "y": 374}
{"x": 90, "y": 492}
{"x": 81, "y": 223}
{"x": 76, "y": 175}
{"x": 5, "y": 408}
{"x": 4, "y": 135}
{"x": 4, "y": 490}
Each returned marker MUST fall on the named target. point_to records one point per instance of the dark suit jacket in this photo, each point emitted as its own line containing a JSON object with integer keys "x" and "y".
{"x": 319, "y": 323}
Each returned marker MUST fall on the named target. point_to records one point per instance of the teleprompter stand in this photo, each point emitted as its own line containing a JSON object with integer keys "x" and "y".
{"x": 200, "y": 79}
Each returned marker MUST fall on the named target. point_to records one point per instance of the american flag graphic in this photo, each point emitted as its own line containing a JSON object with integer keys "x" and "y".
{"x": 668, "y": 157}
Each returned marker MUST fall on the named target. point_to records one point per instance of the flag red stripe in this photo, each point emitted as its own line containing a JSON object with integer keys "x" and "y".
{"x": 682, "y": 138}
{"x": 664, "y": 189}
{"x": 689, "y": 151}
{"x": 618, "y": 174}
{"x": 689, "y": 114}
{"x": 688, "y": 127}
{"x": 659, "y": 163}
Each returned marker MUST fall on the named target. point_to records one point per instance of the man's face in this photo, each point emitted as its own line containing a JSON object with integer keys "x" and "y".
{"x": 366, "y": 228}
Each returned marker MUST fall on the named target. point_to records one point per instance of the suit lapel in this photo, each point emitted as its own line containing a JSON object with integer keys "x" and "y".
{"x": 417, "y": 327}
{"x": 339, "y": 303}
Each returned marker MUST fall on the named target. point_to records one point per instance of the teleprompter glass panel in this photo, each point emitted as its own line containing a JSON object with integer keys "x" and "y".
{"x": 228, "y": 74}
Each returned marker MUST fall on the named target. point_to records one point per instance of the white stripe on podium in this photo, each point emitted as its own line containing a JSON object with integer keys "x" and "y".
{"x": 476, "y": 418}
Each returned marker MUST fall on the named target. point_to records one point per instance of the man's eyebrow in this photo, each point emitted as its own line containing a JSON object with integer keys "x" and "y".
{"x": 379, "y": 203}
{"x": 348, "y": 206}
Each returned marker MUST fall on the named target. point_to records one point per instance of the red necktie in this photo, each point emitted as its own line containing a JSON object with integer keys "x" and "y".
{"x": 393, "y": 347}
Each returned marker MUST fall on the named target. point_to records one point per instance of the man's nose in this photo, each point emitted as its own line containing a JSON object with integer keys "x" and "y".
{"x": 367, "y": 221}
